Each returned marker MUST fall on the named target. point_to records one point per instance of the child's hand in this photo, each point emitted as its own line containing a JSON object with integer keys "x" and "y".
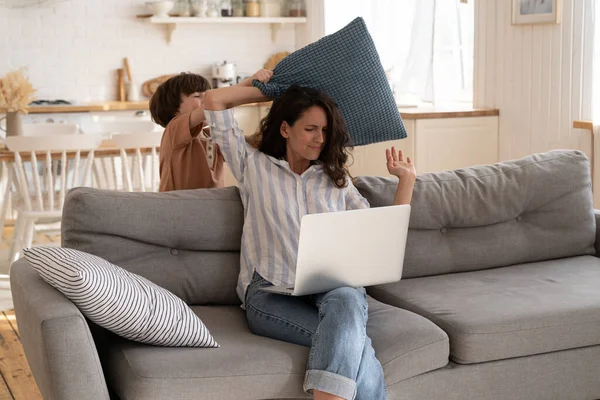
{"x": 404, "y": 170}
{"x": 263, "y": 75}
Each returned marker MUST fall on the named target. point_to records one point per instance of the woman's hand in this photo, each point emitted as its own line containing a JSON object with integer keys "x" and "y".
{"x": 263, "y": 75}
{"x": 242, "y": 93}
{"x": 404, "y": 170}
{"x": 406, "y": 173}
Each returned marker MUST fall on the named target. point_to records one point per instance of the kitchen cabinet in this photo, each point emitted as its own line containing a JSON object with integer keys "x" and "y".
{"x": 248, "y": 119}
{"x": 370, "y": 159}
{"x": 435, "y": 144}
{"x": 451, "y": 143}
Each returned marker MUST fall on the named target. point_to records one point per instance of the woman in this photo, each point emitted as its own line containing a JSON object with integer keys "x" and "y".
{"x": 300, "y": 168}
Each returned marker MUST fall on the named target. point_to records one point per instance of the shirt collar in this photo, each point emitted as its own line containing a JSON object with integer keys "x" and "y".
{"x": 316, "y": 166}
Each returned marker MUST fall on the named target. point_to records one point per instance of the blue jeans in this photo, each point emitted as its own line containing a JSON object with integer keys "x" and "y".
{"x": 342, "y": 361}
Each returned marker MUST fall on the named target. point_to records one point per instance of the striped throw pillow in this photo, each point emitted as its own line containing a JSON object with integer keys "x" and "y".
{"x": 124, "y": 303}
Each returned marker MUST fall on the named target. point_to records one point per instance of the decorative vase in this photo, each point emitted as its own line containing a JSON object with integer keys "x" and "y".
{"x": 133, "y": 92}
{"x": 14, "y": 124}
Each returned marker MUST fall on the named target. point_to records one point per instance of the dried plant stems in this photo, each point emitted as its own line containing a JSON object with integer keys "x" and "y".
{"x": 16, "y": 92}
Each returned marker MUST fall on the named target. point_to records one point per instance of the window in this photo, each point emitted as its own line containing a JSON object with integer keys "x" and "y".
{"x": 426, "y": 46}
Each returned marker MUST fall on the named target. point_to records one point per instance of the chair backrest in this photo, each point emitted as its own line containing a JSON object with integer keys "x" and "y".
{"x": 54, "y": 143}
{"x": 137, "y": 140}
{"x": 121, "y": 127}
{"x": 45, "y": 128}
{"x": 137, "y": 168}
{"x": 61, "y": 157}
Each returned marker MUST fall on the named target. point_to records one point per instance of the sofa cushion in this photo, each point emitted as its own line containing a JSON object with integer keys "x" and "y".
{"x": 185, "y": 241}
{"x": 122, "y": 302}
{"x": 254, "y": 367}
{"x": 334, "y": 64}
{"x": 532, "y": 209}
{"x": 508, "y": 312}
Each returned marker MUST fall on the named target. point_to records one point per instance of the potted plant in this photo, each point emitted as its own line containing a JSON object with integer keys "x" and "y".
{"x": 16, "y": 92}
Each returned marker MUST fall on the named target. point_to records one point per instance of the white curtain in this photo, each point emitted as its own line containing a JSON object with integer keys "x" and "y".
{"x": 426, "y": 46}
{"x": 416, "y": 80}
{"x": 596, "y": 73}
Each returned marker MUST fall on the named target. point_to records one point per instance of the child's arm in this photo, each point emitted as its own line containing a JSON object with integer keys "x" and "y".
{"x": 406, "y": 173}
{"x": 244, "y": 93}
{"x": 180, "y": 131}
{"x": 263, "y": 75}
{"x": 197, "y": 118}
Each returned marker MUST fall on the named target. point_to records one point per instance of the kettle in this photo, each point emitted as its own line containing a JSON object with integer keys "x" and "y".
{"x": 224, "y": 71}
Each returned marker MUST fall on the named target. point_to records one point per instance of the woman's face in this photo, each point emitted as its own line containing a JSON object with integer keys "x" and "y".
{"x": 306, "y": 138}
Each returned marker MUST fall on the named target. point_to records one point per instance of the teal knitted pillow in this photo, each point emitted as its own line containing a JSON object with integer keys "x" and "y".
{"x": 347, "y": 67}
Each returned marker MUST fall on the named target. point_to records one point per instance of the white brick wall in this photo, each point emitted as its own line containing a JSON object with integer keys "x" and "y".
{"x": 73, "y": 48}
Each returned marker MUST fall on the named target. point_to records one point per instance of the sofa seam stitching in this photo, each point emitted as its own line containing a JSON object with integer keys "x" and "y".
{"x": 418, "y": 348}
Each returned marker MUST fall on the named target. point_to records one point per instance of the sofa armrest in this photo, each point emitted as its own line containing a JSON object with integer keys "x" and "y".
{"x": 56, "y": 338}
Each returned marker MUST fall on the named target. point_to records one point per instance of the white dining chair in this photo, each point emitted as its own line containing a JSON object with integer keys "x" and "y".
{"x": 66, "y": 162}
{"x": 136, "y": 168}
{"x": 29, "y": 129}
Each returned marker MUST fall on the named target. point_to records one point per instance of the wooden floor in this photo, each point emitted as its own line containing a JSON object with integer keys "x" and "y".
{"x": 17, "y": 382}
{"x": 40, "y": 239}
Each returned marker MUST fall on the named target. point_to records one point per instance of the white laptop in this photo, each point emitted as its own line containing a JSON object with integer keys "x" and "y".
{"x": 349, "y": 248}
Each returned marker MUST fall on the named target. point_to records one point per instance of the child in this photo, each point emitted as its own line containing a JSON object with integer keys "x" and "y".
{"x": 188, "y": 157}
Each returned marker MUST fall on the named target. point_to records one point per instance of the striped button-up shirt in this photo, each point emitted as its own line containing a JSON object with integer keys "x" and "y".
{"x": 275, "y": 199}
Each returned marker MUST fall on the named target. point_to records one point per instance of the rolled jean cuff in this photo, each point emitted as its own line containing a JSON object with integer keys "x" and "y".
{"x": 328, "y": 382}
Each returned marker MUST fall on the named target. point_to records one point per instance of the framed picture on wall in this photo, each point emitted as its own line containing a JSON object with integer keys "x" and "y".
{"x": 536, "y": 11}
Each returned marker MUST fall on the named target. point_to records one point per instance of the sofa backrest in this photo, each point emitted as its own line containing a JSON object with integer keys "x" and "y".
{"x": 185, "y": 241}
{"x": 532, "y": 209}
{"x": 535, "y": 208}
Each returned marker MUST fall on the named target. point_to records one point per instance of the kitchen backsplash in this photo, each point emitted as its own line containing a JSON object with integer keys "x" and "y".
{"x": 73, "y": 48}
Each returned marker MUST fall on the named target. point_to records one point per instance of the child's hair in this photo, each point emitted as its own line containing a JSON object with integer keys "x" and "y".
{"x": 166, "y": 101}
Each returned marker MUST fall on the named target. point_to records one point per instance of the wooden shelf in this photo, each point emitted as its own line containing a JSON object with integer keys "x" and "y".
{"x": 172, "y": 22}
{"x": 88, "y": 107}
{"x": 226, "y": 20}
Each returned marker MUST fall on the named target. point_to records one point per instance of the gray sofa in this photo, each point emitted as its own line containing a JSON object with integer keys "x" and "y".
{"x": 500, "y": 296}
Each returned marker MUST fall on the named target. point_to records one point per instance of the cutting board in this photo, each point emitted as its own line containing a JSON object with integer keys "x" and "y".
{"x": 150, "y": 86}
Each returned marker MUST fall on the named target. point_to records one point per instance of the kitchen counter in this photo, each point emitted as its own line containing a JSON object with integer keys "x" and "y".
{"x": 589, "y": 125}
{"x": 434, "y": 112}
{"x": 93, "y": 107}
{"x": 427, "y": 112}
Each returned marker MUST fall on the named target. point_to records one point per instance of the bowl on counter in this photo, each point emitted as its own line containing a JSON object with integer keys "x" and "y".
{"x": 160, "y": 8}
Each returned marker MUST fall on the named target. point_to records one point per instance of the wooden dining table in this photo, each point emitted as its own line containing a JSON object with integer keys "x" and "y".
{"x": 106, "y": 149}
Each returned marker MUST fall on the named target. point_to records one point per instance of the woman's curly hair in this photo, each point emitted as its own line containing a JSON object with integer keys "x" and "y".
{"x": 289, "y": 108}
